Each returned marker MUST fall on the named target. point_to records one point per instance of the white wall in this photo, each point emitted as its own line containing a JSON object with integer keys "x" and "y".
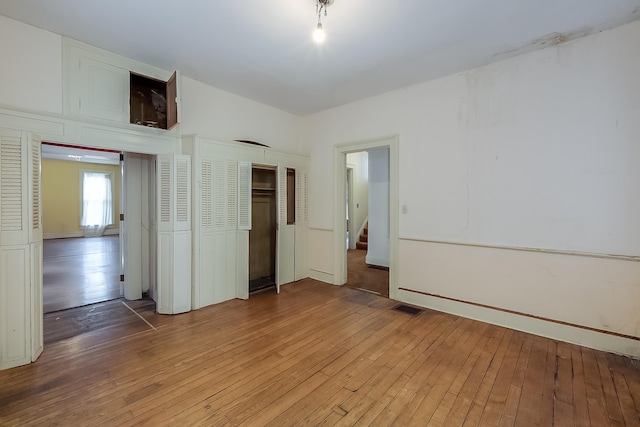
{"x": 31, "y": 71}
{"x": 538, "y": 151}
{"x": 360, "y": 164}
{"x": 221, "y": 115}
{"x": 378, "y": 248}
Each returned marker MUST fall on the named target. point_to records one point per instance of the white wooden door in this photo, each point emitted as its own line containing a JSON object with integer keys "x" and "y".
{"x": 244, "y": 226}
{"x": 21, "y": 335}
{"x": 174, "y": 233}
{"x": 285, "y": 236}
{"x": 302, "y": 224}
{"x": 36, "y": 248}
{"x": 104, "y": 91}
{"x": 132, "y": 235}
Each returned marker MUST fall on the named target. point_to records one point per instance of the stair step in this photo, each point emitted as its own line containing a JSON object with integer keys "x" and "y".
{"x": 364, "y": 238}
{"x": 362, "y": 245}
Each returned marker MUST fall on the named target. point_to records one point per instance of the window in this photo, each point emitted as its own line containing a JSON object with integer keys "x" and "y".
{"x": 97, "y": 201}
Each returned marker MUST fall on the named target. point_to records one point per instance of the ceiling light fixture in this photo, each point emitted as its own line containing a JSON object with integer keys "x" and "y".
{"x": 321, "y": 7}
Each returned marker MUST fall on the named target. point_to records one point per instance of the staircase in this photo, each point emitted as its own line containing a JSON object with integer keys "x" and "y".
{"x": 362, "y": 242}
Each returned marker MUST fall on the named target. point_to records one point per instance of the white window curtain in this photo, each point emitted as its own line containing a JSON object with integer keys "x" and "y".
{"x": 97, "y": 203}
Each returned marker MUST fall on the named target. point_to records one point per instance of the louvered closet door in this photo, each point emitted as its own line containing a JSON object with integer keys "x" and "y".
{"x": 302, "y": 197}
{"x": 164, "y": 274}
{"x": 14, "y": 197}
{"x": 302, "y": 225}
{"x": 182, "y": 193}
{"x": 165, "y": 191}
{"x": 205, "y": 238}
{"x": 244, "y": 225}
{"x": 244, "y": 196}
{"x": 174, "y": 233}
{"x": 36, "y": 249}
{"x": 35, "y": 193}
{"x": 20, "y": 249}
{"x": 225, "y": 191}
{"x": 206, "y": 197}
{"x": 182, "y": 248}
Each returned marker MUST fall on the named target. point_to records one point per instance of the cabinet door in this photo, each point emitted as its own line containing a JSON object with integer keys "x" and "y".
{"x": 104, "y": 91}
{"x": 172, "y": 101}
{"x": 285, "y": 236}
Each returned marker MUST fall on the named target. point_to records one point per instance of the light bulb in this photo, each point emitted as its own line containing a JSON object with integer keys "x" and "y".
{"x": 318, "y": 34}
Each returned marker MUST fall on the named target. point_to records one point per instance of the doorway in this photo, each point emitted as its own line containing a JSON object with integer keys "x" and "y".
{"x": 80, "y": 205}
{"x": 387, "y": 228}
{"x": 263, "y": 233}
{"x": 79, "y": 270}
{"x": 368, "y": 265}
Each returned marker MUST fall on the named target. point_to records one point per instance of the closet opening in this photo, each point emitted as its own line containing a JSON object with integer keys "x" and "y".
{"x": 262, "y": 237}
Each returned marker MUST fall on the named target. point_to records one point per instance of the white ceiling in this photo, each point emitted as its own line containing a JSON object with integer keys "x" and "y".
{"x": 263, "y": 49}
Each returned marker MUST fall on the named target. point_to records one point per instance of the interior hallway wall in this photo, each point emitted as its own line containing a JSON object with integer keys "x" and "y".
{"x": 538, "y": 151}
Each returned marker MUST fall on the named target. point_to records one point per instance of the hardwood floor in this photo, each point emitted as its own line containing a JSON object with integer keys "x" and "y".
{"x": 317, "y": 354}
{"x": 360, "y": 275}
{"x": 118, "y": 316}
{"x": 80, "y": 271}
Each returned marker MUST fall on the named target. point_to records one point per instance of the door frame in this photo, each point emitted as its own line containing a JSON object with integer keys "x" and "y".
{"x": 128, "y": 291}
{"x": 339, "y": 231}
{"x": 351, "y": 240}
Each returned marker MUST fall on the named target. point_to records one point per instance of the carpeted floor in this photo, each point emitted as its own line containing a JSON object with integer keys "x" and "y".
{"x": 362, "y": 276}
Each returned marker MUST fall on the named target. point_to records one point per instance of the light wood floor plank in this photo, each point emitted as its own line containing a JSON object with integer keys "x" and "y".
{"x": 315, "y": 354}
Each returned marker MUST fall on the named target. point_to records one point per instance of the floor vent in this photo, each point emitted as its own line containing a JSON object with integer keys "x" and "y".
{"x": 408, "y": 309}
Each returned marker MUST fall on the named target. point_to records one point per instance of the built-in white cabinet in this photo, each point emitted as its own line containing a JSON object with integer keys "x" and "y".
{"x": 21, "y": 336}
{"x": 103, "y": 86}
{"x": 222, "y": 217}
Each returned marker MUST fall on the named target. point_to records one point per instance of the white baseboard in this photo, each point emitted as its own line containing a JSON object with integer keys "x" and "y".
{"x": 321, "y": 276}
{"x": 546, "y": 328}
{"x": 72, "y": 234}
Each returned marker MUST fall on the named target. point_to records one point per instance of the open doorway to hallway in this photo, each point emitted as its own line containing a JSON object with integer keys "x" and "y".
{"x": 367, "y": 270}
{"x": 382, "y": 174}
